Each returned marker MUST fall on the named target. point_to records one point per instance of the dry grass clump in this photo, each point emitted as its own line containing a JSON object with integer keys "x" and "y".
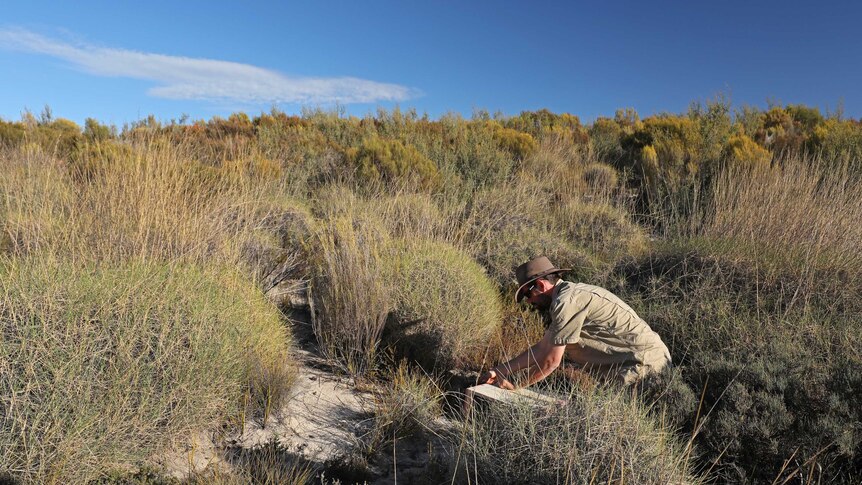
{"x": 605, "y": 230}
{"x": 120, "y": 343}
{"x": 36, "y": 200}
{"x": 352, "y": 296}
{"x": 592, "y": 437}
{"x": 103, "y": 366}
{"x": 412, "y": 215}
{"x": 601, "y": 178}
{"x": 505, "y": 227}
{"x": 405, "y": 405}
{"x": 274, "y": 247}
{"x": 559, "y": 169}
{"x": 443, "y": 303}
{"x": 153, "y": 203}
{"x": 268, "y": 464}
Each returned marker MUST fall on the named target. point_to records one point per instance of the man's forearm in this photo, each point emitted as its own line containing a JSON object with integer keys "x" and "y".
{"x": 539, "y": 371}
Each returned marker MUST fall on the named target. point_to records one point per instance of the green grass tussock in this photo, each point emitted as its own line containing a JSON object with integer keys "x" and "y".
{"x": 444, "y": 303}
{"x": 595, "y": 436}
{"x": 103, "y": 366}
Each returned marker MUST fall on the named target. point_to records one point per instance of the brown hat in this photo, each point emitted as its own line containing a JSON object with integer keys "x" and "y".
{"x": 532, "y": 270}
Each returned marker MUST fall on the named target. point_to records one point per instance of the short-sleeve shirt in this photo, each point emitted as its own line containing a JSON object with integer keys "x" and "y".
{"x": 598, "y": 328}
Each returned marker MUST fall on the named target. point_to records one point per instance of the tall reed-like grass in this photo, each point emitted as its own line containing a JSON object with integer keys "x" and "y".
{"x": 800, "y": 208}
{"x": 351, "y": 294}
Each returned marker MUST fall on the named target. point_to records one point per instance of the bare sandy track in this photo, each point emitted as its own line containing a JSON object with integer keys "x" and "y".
{"x": 318, "y": 422}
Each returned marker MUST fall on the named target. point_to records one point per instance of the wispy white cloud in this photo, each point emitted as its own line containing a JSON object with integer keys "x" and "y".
{"x": 179, "y": 77}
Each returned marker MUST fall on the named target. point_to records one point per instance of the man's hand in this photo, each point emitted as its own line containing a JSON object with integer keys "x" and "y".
{"x": 495, "y": 379}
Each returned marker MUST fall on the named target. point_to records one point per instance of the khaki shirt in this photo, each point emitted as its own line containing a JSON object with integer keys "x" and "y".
{"x": 599, "y": 329}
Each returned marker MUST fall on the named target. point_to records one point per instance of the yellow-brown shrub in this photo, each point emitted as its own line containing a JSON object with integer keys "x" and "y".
{"x": 743, "y": 152}
{"x": 390, "y": 161}
{"x": 519, "y": 144}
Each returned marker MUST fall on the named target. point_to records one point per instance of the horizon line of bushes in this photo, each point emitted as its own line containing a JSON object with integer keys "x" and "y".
{"x": 660, "y": 153}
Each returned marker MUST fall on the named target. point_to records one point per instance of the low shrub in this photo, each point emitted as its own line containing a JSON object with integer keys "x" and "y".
{"x": 772, "y": 354}
{"x": 840, "y": 145}
{"x": 444, "y": 303}
{"x": 103, "y": 366}
{"x": 520, "y": 145}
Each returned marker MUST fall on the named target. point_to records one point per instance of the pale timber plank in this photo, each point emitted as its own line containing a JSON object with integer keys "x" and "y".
{"x": 491, "y": 393}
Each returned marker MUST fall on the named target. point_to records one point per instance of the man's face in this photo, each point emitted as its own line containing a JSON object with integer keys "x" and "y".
{"x": 540, "y": 294}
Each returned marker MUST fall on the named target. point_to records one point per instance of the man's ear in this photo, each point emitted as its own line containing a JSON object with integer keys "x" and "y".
{"x": 544, "y": 284}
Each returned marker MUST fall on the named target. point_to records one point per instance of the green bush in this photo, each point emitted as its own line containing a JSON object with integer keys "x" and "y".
{"x": 466, "y": 152}
{"x": 11, "y": 134}
{"x": 104, "y": 366}
{"x": 840, "y": 145}
{"x": 95, "y": 131}
{"x": 444, "y": 304}
{"x": 543, "y": 123}
{"x": 773, "y": 355}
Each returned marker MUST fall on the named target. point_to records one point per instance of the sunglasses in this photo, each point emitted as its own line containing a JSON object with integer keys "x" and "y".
{"x": 525, "y": 293}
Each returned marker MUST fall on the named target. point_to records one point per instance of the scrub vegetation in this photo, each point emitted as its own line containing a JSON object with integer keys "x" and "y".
{"x": 133, "y": 263}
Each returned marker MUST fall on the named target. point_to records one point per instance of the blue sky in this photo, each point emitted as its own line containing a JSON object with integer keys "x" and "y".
{"x": 121, "y": 61}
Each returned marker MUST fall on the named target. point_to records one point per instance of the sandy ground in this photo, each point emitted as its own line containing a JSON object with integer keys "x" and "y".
{"x": 318, "y": 422}
{"x": 320, "y": 418}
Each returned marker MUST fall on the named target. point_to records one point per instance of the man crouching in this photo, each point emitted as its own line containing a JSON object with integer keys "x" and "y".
{"x": 588, "y": 325}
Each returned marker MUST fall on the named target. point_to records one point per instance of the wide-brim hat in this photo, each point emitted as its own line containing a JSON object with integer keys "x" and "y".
{"x": 532, "y": 270}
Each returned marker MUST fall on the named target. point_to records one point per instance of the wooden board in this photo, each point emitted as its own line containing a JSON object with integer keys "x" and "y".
{"x": 489, "y": 393}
